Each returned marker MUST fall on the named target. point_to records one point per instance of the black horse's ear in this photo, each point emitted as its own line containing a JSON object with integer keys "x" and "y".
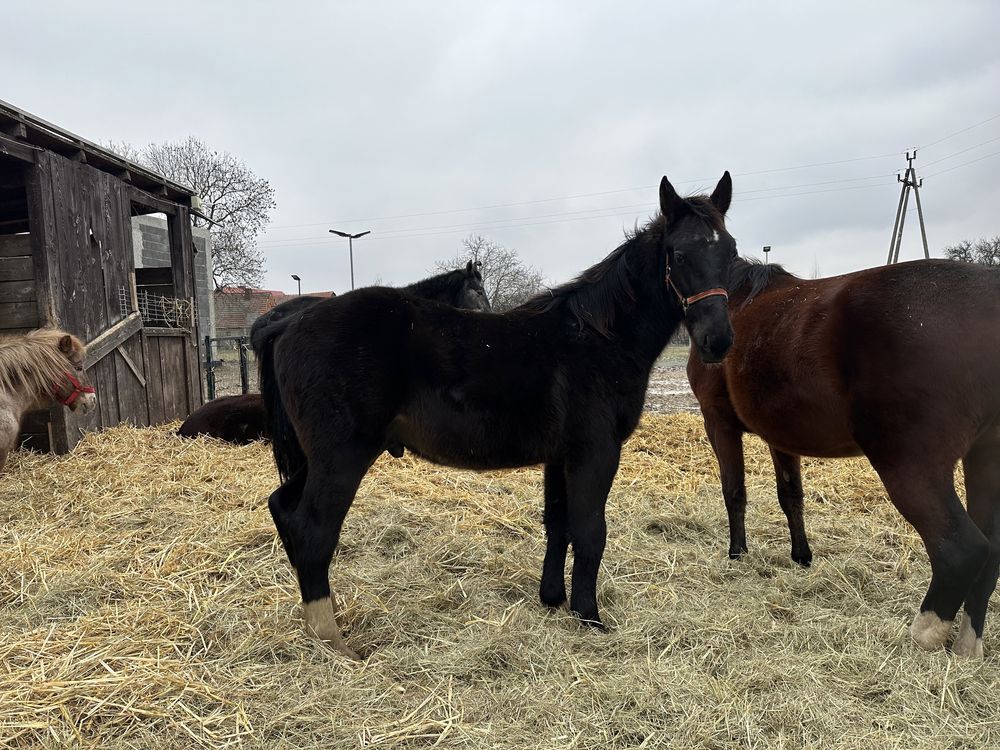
{"x": 722, "y": 196}
{"x": 66, "y": 344}
{"x": 468, "y": 268}
{"x": 670, "y": 203}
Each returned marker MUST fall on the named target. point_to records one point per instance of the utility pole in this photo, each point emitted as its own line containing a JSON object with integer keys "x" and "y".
{"x": 350, "y": 242}
{"x": 910, "y": 182}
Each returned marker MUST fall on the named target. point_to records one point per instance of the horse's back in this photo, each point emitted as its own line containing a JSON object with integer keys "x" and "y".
{"x": 813, "y": 359}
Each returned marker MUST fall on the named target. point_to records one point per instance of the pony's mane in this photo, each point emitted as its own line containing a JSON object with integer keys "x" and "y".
{"x": 596, "y": 295}
{"x": 756, "y": 273}
{"x": 32, "y": 361}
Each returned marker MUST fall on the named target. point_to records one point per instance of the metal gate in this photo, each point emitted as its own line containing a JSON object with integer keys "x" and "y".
{"x": 227, "y": 367}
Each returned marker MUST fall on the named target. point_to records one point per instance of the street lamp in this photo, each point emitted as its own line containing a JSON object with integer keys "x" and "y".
{"x": 767, "y": 249}
{"x": 296, "y": 277}
{"x": 350, "y": 242}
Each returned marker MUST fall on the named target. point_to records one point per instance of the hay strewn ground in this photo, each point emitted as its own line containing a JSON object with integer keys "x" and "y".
{"x": 145, "y": 603}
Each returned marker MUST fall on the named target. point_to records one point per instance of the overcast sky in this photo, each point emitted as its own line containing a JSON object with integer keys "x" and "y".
{"x": 409, "y": 118}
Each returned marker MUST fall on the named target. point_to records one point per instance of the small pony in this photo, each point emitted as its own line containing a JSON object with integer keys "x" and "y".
{"x": 38, "y": 369}
{"x": 900, "y": 364}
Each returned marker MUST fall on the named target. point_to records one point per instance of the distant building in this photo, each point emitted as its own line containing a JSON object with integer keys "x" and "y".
{"x": 236, "y": 307}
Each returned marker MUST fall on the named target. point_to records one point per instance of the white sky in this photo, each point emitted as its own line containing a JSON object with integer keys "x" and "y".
{"x": 406, "y": 118}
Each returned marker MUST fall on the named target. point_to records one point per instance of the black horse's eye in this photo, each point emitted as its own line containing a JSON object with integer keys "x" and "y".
{"x": 679, "y": 259}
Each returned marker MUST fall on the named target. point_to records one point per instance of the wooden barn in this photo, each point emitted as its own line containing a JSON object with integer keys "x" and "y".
{"x": 67, "y": 259}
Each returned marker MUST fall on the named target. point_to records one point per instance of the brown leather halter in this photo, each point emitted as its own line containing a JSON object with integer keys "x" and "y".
{"x": 686, "y": 302}
{"x": 78, "y": 389}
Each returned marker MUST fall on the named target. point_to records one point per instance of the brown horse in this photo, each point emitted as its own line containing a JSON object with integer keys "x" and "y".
{"x": 900, "y": 364}
{"x": 38, "y": 369}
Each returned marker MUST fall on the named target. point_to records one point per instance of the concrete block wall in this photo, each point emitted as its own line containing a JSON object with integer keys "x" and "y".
{"x": 152, "y": 250}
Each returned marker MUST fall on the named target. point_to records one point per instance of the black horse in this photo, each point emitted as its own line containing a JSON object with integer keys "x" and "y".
{"x": 559, "y": 381}
{"x": 461, "y": 288}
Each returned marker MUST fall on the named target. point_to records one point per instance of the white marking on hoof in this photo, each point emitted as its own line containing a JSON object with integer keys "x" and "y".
{"x": 967, "y": 644}
{"x": 929, "y": 631}
{"x": 321, "y": 622}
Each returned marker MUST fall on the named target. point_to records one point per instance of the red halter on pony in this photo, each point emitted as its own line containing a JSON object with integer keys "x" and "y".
{"x": 78, "y": 389}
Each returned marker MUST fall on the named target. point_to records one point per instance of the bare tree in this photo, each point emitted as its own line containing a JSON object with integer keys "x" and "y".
{"x": 236, "y": 200}
{"x": 985, "y": 251}
{"x": 506, "y": 278}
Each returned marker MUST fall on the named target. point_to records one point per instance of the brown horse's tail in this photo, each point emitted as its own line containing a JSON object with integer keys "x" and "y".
{"x": 288, "y": 454}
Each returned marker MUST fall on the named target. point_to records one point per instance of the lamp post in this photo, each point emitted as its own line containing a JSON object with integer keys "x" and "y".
{"x": 767, "y": 249}
{"x": 350, "y": 242}
{"x": 297, "y": 279}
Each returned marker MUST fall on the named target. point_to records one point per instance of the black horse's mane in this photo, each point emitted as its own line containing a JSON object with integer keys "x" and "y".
{"x": 596, "y": 295}
{"x": 438, "y": 287}
{"x": 756, "y": 273}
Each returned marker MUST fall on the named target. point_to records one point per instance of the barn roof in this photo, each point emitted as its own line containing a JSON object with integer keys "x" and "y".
{"x": 20, "y": 130}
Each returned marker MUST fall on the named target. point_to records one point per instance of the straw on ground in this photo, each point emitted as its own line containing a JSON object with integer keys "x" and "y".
{"x": 145, "y": 602}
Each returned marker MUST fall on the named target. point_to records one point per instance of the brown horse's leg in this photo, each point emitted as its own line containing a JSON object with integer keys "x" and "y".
{"x": 314, "y": 530}
{"x": 982, "y": 486}
{"x": 727, "y": 442}
{"x": 788, "y": 472}
{"x": 956, "y": 547}
{"x": 588, "y": 481}
{"x": 552, "y": 590}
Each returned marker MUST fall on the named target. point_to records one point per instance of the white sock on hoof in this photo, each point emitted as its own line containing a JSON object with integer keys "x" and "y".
{"x": 321, "y": 622}
{"x": 929, "y": 631}
{"x": 967, "y": 644}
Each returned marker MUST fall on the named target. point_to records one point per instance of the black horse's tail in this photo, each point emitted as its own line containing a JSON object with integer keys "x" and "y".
{"x": 288, "y": 454}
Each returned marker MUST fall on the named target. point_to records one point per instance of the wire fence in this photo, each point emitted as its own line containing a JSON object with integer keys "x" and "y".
{"x": 229, "y": 367}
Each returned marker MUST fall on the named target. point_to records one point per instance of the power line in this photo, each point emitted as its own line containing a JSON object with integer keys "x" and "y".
{"x": 963, "y": 164}
{"x": 499, "y": 223}
{"x": 616, "y": 212}
{"x": 964, "y": 150}
{"x": 959, "y": 132}
{"x": 583, "y": 195}
{"x": 601, "y": 212}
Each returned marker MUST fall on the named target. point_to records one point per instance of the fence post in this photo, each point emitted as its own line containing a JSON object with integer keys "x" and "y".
{"x": 209, "y": 369}
{"x": 244, "y": 364}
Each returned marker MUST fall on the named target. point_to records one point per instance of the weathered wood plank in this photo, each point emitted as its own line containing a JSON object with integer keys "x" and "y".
{"x": 132, "y": 388}
{"x": 131, "y": 366}
{"x": 17, "y": 291}
{"x": 19, "y": 314}
{"x": 16, "y": 150}
{"x": 151, "y": 203}
{"x": 154, "y": 380}
{"x": 16, "y": 269}
{"x": 14, "y": 244}
{"x": 41, "y": 213}
{"x": 110, "y": 339}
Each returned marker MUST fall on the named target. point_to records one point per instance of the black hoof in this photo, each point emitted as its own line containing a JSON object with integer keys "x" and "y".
{"x": 594, "y": 623}
{"x": 804, "y": 560}
{"x": 552, "y": 596}
{"x": 737, "y": 554}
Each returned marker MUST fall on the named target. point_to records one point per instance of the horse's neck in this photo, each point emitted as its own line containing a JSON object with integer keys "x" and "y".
{"x": 14, "y": 403}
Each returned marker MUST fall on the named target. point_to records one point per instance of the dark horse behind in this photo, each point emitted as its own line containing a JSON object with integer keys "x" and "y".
{"x": 242, "y": 419}
{"x": 559, "y": 381}
{"x": 899, "y": 363}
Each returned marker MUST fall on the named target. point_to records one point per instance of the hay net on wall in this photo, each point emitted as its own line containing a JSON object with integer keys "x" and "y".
{"x": 158, "y": 310}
